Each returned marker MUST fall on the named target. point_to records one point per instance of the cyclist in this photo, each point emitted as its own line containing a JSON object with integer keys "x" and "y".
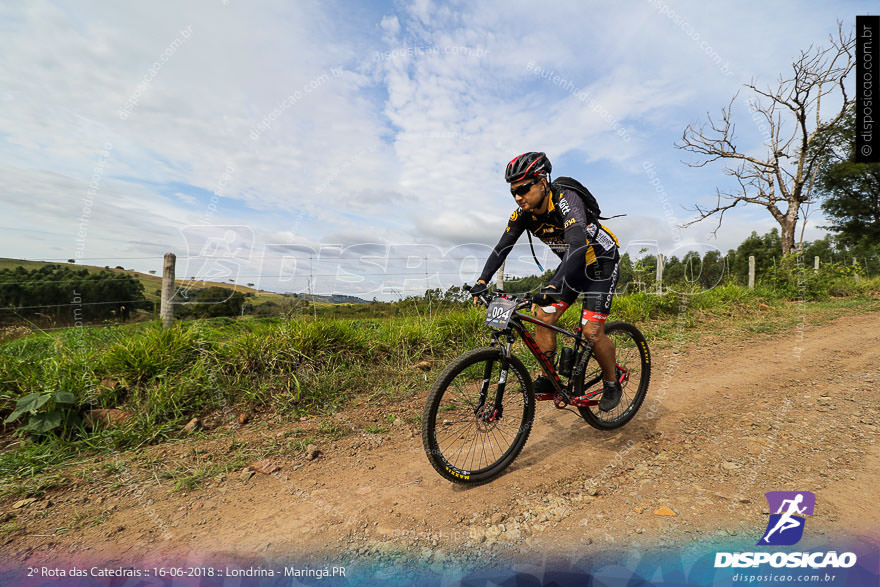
{"x": 589, "y": 254}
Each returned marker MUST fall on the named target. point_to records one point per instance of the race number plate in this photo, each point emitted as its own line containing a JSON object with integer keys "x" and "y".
{"x": 499, "y": 313}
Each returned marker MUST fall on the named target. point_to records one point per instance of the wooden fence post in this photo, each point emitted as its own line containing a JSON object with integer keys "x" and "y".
{"x": 751, "y": 272}
{"x": 816, "y": 264}
{"x": 166, "y": 309}
{"x": 659, "y": 274}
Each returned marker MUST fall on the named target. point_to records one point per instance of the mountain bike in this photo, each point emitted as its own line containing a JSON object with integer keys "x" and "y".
{"x": 480, "y": 410}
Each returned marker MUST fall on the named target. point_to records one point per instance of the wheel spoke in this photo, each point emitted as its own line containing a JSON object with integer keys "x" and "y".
{"x": 469, "y": 439}
{"x": 459, "y": 432}
{"x": 629, "y": 357}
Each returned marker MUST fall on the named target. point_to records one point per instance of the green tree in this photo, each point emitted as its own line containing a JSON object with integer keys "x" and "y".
{"x": 851, "y": 190}
{"x": 645, "y": 270}
{"x": 673, "y": 271}
{"x": 765, "y": 249}
{"x": 625, "y": 279}
{"x": 709, "y": 271}
{"x": 209, "y": 302}
{"x": 822, "y": 248}
{"x": 67, "y": 295}
{"x": 532, "y": 283}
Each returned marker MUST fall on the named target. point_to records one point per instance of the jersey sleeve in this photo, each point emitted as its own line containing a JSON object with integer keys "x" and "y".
{"x": 576, "y": 234}
{"x": 515, "y": 227}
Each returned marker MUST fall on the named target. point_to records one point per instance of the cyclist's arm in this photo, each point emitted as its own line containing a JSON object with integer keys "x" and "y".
{"x": 515, "y": 227}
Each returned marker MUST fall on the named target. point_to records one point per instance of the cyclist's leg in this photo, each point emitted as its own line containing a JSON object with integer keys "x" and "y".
{"x": 597, "y": 305}
{"x": 545, "y": 337}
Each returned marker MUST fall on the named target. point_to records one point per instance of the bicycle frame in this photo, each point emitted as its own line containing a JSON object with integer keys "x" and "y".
{"x": 560, "y": 396}
{"x": 468, "y": 440}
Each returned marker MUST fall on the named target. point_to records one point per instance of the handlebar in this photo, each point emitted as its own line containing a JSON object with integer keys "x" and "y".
{"x": 486, "y": 297}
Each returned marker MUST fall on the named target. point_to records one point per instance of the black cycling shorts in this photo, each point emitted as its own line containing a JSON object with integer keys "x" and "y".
{"x": 598, "y": 285}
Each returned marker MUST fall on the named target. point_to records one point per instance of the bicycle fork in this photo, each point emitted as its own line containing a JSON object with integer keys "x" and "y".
{"x": 494, "y": 412}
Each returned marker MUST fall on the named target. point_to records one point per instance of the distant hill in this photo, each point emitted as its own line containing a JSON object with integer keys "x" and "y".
{"x": 333, "y": 299}
{"x": 152, "y": 283}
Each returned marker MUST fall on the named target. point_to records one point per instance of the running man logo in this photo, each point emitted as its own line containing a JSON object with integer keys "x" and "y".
{"x": 786, "y": 525}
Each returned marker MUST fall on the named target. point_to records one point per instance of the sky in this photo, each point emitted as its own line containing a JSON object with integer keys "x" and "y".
{"x": 359, "y": 147}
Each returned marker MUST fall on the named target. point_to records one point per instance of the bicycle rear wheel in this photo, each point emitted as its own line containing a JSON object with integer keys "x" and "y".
{"x": 464, "y": 439}
{"x": 633, "y": 364}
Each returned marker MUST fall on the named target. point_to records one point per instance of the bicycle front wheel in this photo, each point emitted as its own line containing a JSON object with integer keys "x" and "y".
{"x": 633, "y": 365}
{"x": 465, "y": 438}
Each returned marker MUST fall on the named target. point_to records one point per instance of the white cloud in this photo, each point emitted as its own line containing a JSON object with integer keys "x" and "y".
{"x": 186, "y": 198}
{"x": 390, "y": 25}
{"x": 389, "y": 127}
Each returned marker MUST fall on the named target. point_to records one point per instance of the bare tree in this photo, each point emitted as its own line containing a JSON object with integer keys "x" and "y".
{"x": 795, "y": 147}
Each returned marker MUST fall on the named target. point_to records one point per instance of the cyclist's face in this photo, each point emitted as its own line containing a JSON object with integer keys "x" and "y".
{"x": 531, "y": 200}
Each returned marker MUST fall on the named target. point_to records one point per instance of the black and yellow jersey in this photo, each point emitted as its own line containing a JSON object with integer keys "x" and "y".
{"x": 576, "y": 238}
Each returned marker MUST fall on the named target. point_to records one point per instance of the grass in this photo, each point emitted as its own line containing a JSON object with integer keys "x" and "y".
{"x": 193, "y": 471}
{"x": 101, "y": 518}
{"x": 332, "y": 430}
{"x": 303, "y": 367}
{"x": 76, "y": 522}
{"x": 9, "y": 528}
{"x": 27, "y": 467}
{"x": 186, "y": 480}
{"x": 111, "y": 469}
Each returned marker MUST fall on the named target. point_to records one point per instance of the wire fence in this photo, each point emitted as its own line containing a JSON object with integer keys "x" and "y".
{"x": 66, "y": 313}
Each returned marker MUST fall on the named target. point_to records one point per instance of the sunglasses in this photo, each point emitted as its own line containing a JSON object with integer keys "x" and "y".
{"x": 523, "y": 189}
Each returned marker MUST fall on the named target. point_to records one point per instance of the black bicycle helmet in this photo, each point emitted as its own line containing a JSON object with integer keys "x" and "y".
{"x": 527, "y": 165}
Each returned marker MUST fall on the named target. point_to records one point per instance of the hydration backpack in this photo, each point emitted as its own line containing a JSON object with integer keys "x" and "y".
{"x": 591, "y": 206}
{"x": 590, "y": 203}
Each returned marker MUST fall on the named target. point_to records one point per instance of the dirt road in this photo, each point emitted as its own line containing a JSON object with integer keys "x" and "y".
{"x": 725, "y": 421}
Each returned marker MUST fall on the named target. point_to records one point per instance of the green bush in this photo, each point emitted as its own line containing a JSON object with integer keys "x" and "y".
{"x": 156, "y": 353}
{"x": 46, "y": 412}
{"x": 847, "y": 286}
{"x": 209, "y": 302}
{"x": 794, "y": 279}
